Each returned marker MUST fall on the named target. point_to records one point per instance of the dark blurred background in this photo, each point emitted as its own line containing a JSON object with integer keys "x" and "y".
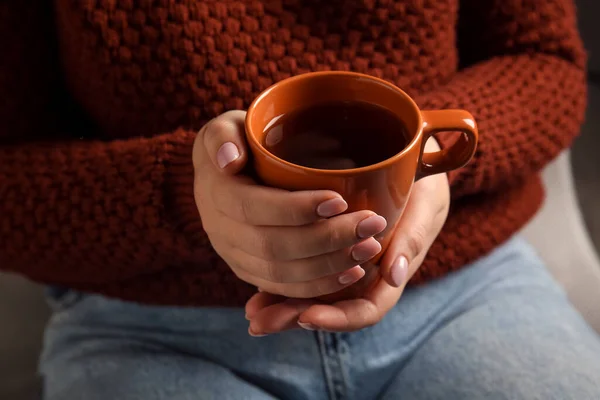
{"x": 586, "y": 151}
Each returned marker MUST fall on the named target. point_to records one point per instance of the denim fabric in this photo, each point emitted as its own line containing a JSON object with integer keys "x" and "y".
{"x": 498, "y": 329}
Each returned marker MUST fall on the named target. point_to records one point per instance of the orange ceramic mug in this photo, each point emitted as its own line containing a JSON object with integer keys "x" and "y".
{"x": 383, "y": 187}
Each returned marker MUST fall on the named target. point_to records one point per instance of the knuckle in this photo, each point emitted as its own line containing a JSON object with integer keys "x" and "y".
{"x": 302, "y": 209}
{"x": 331, "y": 264}
{"x": 273, "y": 272}
{"x": 313, "y": 195}
{"x": 334, "y": 236}
{"x": 298, "y": 215}
{"x": 416, "y": 241}
{"x": 243, "y": 209}
{"x": 265, "y": 247}
{"x": 218, "y": 126}
{"x": 371, "y": 314}
{"x": 322, "y": 287}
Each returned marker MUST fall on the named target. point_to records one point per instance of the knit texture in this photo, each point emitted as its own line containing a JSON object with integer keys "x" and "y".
{"x": 101, "y": 100}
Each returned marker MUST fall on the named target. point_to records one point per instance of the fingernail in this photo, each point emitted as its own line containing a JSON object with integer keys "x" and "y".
{"x": 354, "y": 274}
{"x": 332, "y": 207}
{"x": 254, "y": 334}
{"x": 307, "y": 326}
{"x": 227, "y": 154}
{"x": 370, "y": 226}
{"x": 366, "y": 250}
{"x": 246, "y": 316}
{"x": 399, "y": 271}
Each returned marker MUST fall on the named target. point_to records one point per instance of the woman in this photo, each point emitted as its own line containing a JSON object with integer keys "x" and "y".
{"x": 152, "y": 239}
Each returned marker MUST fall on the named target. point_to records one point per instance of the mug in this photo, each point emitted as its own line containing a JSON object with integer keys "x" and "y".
{"x": 383, "y": 187}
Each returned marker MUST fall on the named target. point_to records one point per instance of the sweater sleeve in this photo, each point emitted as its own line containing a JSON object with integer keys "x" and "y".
{"x": 523, "y": 80}
{"x": 76, "y": 210}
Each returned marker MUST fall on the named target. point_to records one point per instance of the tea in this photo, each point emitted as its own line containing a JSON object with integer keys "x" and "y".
{"x": 336, "y": 135}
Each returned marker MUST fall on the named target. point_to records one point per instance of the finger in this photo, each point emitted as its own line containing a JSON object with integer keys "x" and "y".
{"x": 257, "y": 205}
{"x": 279, "y": 317}
{"x": 307, "y": 269}
{"x": 303, "y": 290}
{"x": 420, "y": 224}
{"x": 300, "y": 242}
{"x": 259, "y": 301}
{"x": 352, "y": 315}
{"x": 222, "y": 144}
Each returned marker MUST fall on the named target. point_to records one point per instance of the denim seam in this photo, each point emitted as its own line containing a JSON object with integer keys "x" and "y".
{"x": 335, "y": 376}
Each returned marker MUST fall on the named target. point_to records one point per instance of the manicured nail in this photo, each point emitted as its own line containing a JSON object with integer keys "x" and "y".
{"x": 399, "y": 271}
{"x": 354, "y": 274}
{"x": 370, "y": 226}
{"x": 366, "y": 250}
{"x": 307, "y": 326}
{"x": 254, "y": 334}
{"x": 332, "y": 207}
{"x": 227, "y": 154}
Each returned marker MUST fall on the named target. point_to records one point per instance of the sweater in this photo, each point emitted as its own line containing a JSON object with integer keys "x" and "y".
{"x": 101, "y": 101}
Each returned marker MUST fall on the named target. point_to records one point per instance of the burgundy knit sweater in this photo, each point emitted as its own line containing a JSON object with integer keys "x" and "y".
{"x": 101, "y": 100}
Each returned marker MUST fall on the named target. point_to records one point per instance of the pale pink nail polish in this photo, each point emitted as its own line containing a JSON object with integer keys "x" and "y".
{"x": 254, "y": 334}
{"x": 399, "y": 271}
{"x": 227, "y": 154}
{"x": 332, "y": 207}
{"x": 370, "y": 226}
{"x": 354, "y": 274}
{"x": 307, "y": 326}
{"x": 366, "y": 250}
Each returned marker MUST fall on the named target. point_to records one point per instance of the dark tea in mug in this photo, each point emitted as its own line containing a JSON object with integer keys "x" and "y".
{"x": 336, "y": 135}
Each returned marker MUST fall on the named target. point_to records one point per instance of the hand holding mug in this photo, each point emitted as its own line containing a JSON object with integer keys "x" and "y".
{"x": 296, "y": 244}
{"x": 379, "y": 125}
{"x": 420, "y": 224}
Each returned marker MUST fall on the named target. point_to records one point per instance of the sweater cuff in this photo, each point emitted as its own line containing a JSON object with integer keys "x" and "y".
{"x": 179, "y": 180}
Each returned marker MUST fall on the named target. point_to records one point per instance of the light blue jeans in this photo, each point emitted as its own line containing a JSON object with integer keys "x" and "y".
{"x": 498, "y": 329}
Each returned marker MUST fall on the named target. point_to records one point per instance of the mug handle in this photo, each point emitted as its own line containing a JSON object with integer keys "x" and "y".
{"x": 459, "y": 153}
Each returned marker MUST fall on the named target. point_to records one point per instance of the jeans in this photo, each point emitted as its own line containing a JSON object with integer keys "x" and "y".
{"x": 500, "y": 328}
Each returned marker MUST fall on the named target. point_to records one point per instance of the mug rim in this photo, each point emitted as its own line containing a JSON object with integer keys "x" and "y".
{"x": 256, "y": 144}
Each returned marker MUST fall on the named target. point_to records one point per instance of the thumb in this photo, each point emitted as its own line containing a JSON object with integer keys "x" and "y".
{"x": 421, "y": 222}
{"x": 221, "y": 142}
{"x": 418, "y": 227}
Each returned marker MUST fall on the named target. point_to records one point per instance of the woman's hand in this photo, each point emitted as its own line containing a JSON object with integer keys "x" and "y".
{"x": 420, "y": 224}
{"x": 293, "y": 244}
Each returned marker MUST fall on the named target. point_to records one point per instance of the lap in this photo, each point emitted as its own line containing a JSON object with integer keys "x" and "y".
{"x": 146, "y": 374}
{"x": 516, "y": 338}
{"x": 100, "y": 348}
{"x": 498, "y": 329}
